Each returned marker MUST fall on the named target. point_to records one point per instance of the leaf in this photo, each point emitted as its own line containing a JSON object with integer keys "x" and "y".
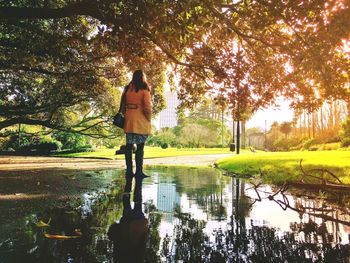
{"x": 43, "y": 224}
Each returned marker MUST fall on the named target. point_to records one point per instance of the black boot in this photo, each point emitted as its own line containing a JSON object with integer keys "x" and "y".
{"x": 138, "y": 190}
{"x": 139, "y": 162}
{"x": 128, "y": 162}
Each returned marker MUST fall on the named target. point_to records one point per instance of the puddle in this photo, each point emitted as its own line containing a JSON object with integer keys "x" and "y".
{"x": 186, "y": 215}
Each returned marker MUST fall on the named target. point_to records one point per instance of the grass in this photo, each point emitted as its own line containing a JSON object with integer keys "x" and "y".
{"x": 278, "y": 167}
{"x": 150, "y": 152}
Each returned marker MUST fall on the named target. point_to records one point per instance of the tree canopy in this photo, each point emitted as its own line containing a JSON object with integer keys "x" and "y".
{"x": 69, "y": 55}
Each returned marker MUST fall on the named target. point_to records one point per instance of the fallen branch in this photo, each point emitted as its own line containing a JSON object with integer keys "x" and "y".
{"x": 323, "y": 170}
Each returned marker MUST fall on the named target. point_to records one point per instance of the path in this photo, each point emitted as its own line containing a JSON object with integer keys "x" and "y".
{"x": 24, "y": 163}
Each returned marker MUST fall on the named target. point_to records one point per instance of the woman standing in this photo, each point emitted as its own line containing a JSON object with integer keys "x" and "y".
{"x": 137, "y": 125}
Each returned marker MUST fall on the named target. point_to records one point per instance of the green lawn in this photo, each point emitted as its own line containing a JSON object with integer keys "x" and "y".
{"x": 278, "y": 167}
{"x": 150, "y": 152}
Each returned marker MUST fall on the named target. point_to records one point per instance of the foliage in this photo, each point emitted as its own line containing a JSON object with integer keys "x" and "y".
{"x": 64, "y": 73}
{"x": 307, "y": 144}
{"x": 345, "y": 142}
{"x": 286, "y": 128}
{"x": 71, "y": 140}
{"x": 164, "y": 145}
{"x": 201, "y": 132}
{"x": 52, "y": 75}
{"x": 14, "y": 143}
{"x": 325, "y": 147}
{"x": 164, "y": 136}
{"x": 44, "y": 146}
{"x": 195, "y": 136}
{"x": 345, "y": 133}
{"x": 248, "y": 52}
{"x": 31, "y": 143}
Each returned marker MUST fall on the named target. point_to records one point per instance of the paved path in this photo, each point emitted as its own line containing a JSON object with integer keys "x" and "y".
{"x": 21, "y": 163}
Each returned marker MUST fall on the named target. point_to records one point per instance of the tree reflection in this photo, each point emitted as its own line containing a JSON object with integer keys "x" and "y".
{"x": 240, "y": 241}
{"x": 236, "y": 243}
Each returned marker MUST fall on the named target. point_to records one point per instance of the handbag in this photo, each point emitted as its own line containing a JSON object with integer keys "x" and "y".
{"x": 119, "y": 119}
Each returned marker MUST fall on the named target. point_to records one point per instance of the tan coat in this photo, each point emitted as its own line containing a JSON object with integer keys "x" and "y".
{"x": 137, "y": 112}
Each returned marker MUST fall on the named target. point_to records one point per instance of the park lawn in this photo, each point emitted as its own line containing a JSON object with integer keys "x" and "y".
{"x": 150, "y": 152}
{"x": 278, "y": 167}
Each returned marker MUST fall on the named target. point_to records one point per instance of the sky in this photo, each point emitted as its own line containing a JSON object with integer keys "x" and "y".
{"x": 280, "y": 114}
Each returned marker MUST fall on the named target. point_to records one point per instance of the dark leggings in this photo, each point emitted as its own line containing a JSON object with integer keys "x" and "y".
{"x": 140, "y": 147}
{"x": 138, "y": 157}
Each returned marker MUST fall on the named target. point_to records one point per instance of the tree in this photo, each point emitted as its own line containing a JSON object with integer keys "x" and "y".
{"x": 194, "y": 135}
{"x": 55, "y": 74}
{"x": 289, "y": 48}
{"x": 286, "y": 128}
{"x": 63, "y": 75}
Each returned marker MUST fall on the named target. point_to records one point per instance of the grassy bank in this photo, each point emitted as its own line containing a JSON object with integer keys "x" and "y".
{"x": 150, "y": 152}
{"x": 278, "y": 167}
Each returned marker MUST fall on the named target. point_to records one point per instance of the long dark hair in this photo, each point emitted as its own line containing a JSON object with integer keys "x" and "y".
{"x": 139, "y": 81}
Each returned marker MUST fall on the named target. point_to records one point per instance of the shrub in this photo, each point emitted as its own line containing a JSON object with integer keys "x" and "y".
{"x": 164, "y": 145}
{"x": 345, "y": 142}
{"x": 70, "y": 140}
{"x": 13, "y": 141}
{"x": 307, "y": 144}
{"x": 314, "y": 148}
{"x": 281, "y": 145}
{"x": 329, "y": 146}
{"x": 345, "y": 133}
{"x": 44, "y": 146}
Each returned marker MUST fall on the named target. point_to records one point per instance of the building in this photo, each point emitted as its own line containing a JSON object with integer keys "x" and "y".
{"x": 168, "y": 116}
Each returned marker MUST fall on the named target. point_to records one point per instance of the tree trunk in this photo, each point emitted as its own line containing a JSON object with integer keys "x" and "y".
{"x": 336, "y": 115}
{"x": 321, "y": 119}
{"x": 222, "y": 127}
{"x": 308, "y": 125}
{"x": 305, "y": 126}
{"x": 313, "y": 125}
{"x": 238, "y": 139}
{"x": 243, "y": 135}
{"x": 233, "y": 130}
{"x": 330, "y": 117}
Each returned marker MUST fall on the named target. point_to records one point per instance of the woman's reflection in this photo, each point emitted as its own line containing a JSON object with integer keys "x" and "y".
{"x": 129, "y": 236}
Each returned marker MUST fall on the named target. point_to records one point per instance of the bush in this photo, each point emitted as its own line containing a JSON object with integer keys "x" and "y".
{"x": 44, "y": 146}
{"x": 13, "y": 141}
{"x": 161, "y": 137}
{"x": 345, "y": 142}
{"x": 314, "y": 148}
{"x": 307, "y": 144}
{"x": 345, "y": 134}
{"x": 281, "y": 145}
{"x": 329, "y": 146}
{"x": 70, "y": 140}
{"x": 86, "y": 148}
{"x": 164, "y": 145}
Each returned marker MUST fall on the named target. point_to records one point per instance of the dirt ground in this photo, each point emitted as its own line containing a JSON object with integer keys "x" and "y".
{"x": 27, "y": 163}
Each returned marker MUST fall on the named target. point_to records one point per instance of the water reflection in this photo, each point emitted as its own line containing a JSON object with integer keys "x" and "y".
{"x": 187, "y": 215}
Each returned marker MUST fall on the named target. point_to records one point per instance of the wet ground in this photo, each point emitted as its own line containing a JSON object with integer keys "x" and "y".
{"x": 181, "y": 215}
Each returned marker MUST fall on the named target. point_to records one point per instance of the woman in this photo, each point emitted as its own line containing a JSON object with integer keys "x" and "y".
{"x": 137, "y": 125}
